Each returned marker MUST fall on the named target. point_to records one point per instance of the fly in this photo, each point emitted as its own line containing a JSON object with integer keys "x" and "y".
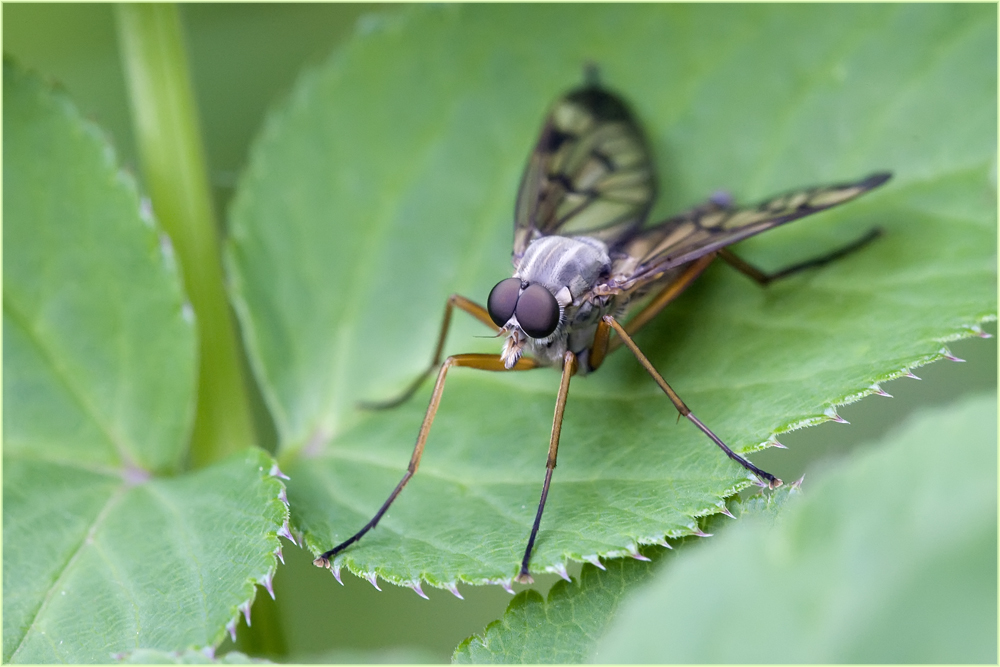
{"x": 585, "y": 259}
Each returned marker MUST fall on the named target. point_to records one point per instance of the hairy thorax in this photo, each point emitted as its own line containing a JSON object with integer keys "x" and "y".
{"x": 569, "y": 267}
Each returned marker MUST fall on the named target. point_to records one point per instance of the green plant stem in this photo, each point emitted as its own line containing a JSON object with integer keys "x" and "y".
{"x": 167, "y": 132}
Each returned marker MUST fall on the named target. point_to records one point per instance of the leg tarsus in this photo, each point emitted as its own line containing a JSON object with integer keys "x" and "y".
{"x": 763, "y": 278}
{"x": 325, "y": 557}
{"x": 406, "y": 395}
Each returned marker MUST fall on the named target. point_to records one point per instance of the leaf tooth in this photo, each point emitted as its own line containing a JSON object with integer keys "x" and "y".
{"x": 831, "y": 412}
{"x": 335, "y": 569}
{"x": 266, "y": 582}
{"x": 281, "y": 556}
{"x": 373, "y": 580}
{"x": 951, "y": 357}
{"x": 725, "y": 510}
{"x": 231, "y": 627}
{"x": 663, "y": 542}
{"x": 283, "y": 497}
{"x": 880, "y": 391}
{"x": 595, "y": 561}
{"x": 797, "y": 484}
{"x": 415, "y": 585}
{"x": 976, "y": 330}
{"x": 559, "y": 569}
{"x": 633, "y": 551}
{"x": 146, "y": 212}
{"x": 209, "y": 652}
{"x": 453, "y": 589}
{"x": 773, "y": 442}
{"x": 286, "y": 533}
{"x": 909, "y": 374}
{"x": 275, "y": 471}
{"x": 700, "y": 533}
{"x": 505, "y": 583}
{"x": 245, "y": 608}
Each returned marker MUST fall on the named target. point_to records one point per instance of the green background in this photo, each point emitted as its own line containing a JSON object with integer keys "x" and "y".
{"x": 245, "y": 58}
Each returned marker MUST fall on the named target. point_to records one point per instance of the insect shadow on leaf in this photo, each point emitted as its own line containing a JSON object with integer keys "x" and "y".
{"x": 585, "y": 260}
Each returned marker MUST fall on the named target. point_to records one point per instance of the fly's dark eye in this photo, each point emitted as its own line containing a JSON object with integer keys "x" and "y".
{"x": 537, "y": 311}
{"x": 502, "y": 300}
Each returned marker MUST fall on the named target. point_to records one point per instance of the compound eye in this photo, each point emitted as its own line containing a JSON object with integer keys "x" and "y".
{"x": 537, "y": 312}
{"x": 502, "y": 300}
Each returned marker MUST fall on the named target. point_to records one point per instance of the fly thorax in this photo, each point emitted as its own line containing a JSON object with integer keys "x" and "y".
{"x": 558, "y": 262}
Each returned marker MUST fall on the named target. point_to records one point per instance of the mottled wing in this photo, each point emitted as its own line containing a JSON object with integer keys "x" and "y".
{"x": 650, "y": 253}
{"x": 589, "y": 175}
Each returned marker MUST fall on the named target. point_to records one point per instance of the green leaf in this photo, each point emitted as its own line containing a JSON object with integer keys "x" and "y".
{"x": 99, "y": 355}
{"x": 889, "y": 558}
{"x": 106, "y": 546}
{"x": 565, "y": 626}
{"x": 387, "y": 182}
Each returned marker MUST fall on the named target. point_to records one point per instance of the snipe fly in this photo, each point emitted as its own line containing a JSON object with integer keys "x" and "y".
{"x": 585, "y": 260}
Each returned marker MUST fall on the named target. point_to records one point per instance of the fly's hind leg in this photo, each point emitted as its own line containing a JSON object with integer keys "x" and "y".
{"x": 454, "y": 301}
{"x": 763, "y": 278}
{"x": 602, "y": 337}
{"x": 484, "y": 362}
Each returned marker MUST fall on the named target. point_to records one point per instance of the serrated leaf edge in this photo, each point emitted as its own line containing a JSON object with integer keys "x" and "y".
{"x": 868, "y": 386}
{"x": 264, "y": 580}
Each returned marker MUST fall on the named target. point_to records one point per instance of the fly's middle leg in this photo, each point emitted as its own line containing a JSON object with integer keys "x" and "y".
{"x": 454, "y": 301}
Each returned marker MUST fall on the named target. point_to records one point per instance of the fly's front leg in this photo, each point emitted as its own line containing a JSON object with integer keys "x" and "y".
{"x": 569, "y": 369}
{"x": 771, "y": 480}
{"x": 763, "y": 278}
{"x": 483, "y": 362}
{"x": 455, "y": 300}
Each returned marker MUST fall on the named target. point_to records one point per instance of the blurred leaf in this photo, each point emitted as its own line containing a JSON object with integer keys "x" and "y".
{"x": 390, "y": 655}
{"x": 890, "y": 558}
{"x": 565, "y": 626}
{"x": 106, "y": 546}
{"x": 387, "y": 182}
{"x": 99, "y": 357}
